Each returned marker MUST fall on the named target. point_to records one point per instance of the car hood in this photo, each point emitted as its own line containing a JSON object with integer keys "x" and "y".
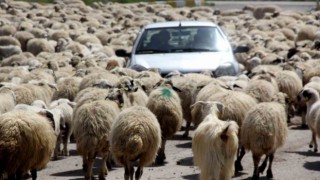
{"x": 183, "y": 62}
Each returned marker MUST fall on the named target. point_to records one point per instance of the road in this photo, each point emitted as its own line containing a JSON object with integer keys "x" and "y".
{"x": 293, "y": 161}
{"x": 286, "y": 5}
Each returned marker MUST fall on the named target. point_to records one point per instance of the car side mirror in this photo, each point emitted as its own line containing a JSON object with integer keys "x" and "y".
{"x": 241, "y": 49}
{"x": 122, "y": 53}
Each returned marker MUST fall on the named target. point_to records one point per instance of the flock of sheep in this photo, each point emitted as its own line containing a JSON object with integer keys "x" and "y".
{"x": 60, "y": 77}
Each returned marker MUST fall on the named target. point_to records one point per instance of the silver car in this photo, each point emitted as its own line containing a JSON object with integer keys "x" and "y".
{"x": 185, "y": 46}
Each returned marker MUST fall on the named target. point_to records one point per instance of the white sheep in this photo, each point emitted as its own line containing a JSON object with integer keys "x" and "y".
{"x": 165, "y": 103}
{"x": 91, "y": 127}
{"x": 215, "y": 143}
{"x": 64, "y": 108}
{"x": 313, "y": 105}
{"x": 27, "y": 141}
{"x": 236, "y": 104}
{"x": 264, "y": 130}
{"x": 135, "y": 135}
{"x": 7, "y": 100}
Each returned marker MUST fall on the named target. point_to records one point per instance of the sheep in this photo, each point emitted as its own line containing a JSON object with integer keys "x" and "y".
{"x": 7, "y": 100}
{"x": 37, "y": 45}
{"x": 260, "y": 11}
{"x": 165, "y": 103}
{"x": 313, "y": 104}
{"x": 237, "y": 104}
{"x": 91, "y": 127}
{"x": 135, "y": 135}
{"x": 90, "y": 79}
{"x": 7, "y": 51}
{"x": 289, "y": 83}
{"x": 262, "y": 89}
{"x": 215, "y": 143}
{"x": 264, "y": 130}
{"x": 68, "y": 88}
{"x": 29, "y": 144}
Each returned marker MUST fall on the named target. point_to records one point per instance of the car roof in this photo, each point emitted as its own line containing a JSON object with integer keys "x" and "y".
{"x": 177, "y": 23}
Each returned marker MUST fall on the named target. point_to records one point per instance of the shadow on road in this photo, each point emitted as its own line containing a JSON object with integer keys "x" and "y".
{"x": 191, "y": 176}
{"x": 188, "y": 161}
{"x": 305, "y": 153}
{"x": 180, "y": 138}
{"x": 184, "y": 145}
{"x": 315, "y": 166}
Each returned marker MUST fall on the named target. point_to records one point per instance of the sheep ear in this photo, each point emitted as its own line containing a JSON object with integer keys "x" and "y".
{"x": 49, "y": 116}
{"x": 200, "y": 87}
{"x": 197, "y": 104}
{"x": 220, "y": 107}
{"x": 176, "y": 89}
{"x": 53, "y": 86}
{"x": 72, "y": 104}
{"x": 224, "y": 135}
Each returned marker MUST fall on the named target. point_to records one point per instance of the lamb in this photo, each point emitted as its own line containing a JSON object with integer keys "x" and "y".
{"x": 30, "y": 133}
{"x": 92, "y": 122}
{"x": 165, "y": 103}
{"x": 215, "y": 143}
{"x": 64, "y": 107}
{"x": 135, "y": 135}
{"x": 313, "y": 105}
{"x": 263, "y": 131}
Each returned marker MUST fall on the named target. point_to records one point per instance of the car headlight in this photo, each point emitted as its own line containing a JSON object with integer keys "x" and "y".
{"x": 226, "y": 69}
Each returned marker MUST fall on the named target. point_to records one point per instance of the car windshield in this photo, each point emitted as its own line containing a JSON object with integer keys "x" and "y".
{"x": 181, "y": 39}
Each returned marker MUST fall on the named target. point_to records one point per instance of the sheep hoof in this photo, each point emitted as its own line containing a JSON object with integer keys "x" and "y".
{"x": 255, "y": 177}
{"x": 84, "y": 167}
{"x": 185, "y": 135}
{"x": 269, "y": 174}
{"x": 101, "y": 177}
{"x": 261, "y": 169}
{"x": 238, "y": 166}
{"x": 315, "y": 150}
{"x": 159, "y": 160}
{"x": 304, "y": 126}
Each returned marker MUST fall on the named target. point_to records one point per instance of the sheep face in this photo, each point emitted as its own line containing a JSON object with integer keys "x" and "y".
{"x": 208, "y": 107}
{"x": 117, "y": 96}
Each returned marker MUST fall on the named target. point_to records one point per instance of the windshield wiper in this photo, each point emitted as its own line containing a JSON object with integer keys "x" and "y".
{"x": 151, "y": 51}
{"x": 194, "y": 50}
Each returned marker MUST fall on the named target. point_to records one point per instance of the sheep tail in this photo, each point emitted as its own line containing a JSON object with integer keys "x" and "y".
{"x": 134, "y": 144}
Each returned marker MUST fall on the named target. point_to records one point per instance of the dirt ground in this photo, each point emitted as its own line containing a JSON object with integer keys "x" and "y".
{"x": 294, "y": 161}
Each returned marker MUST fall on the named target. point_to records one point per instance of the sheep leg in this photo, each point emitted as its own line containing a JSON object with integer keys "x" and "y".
{"x": 139, "y": 172}
{"x": 161, "y": 156}
{"x": 90, "y": 161}
{"x": 314, "y": 139}
{"x": 186, "y": 133}
{"x": 241, "y": 153}
{"x": 263, "y": 165}
{"x": 65, "y": 140}
{"x": 256, "y": 161}
{"x": 85, "y": 163}
{"x": 57, "y": 149}
{"x": 18, "y": 175}
{"x": 269, "y": 171}
{"x": 34, "y": 174}
{"x": 104, "y": 170}
{"x": 128, "y": 172}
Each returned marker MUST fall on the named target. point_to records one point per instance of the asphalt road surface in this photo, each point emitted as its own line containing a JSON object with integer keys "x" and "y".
{"x": 293, "y": 6}
{"x": 293, "y": 161}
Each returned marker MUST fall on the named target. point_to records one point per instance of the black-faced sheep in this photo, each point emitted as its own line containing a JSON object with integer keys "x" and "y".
{"x": 263, "y": 131}
{"x": 135, "y": 135}
{"x": 215, "y": 143}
